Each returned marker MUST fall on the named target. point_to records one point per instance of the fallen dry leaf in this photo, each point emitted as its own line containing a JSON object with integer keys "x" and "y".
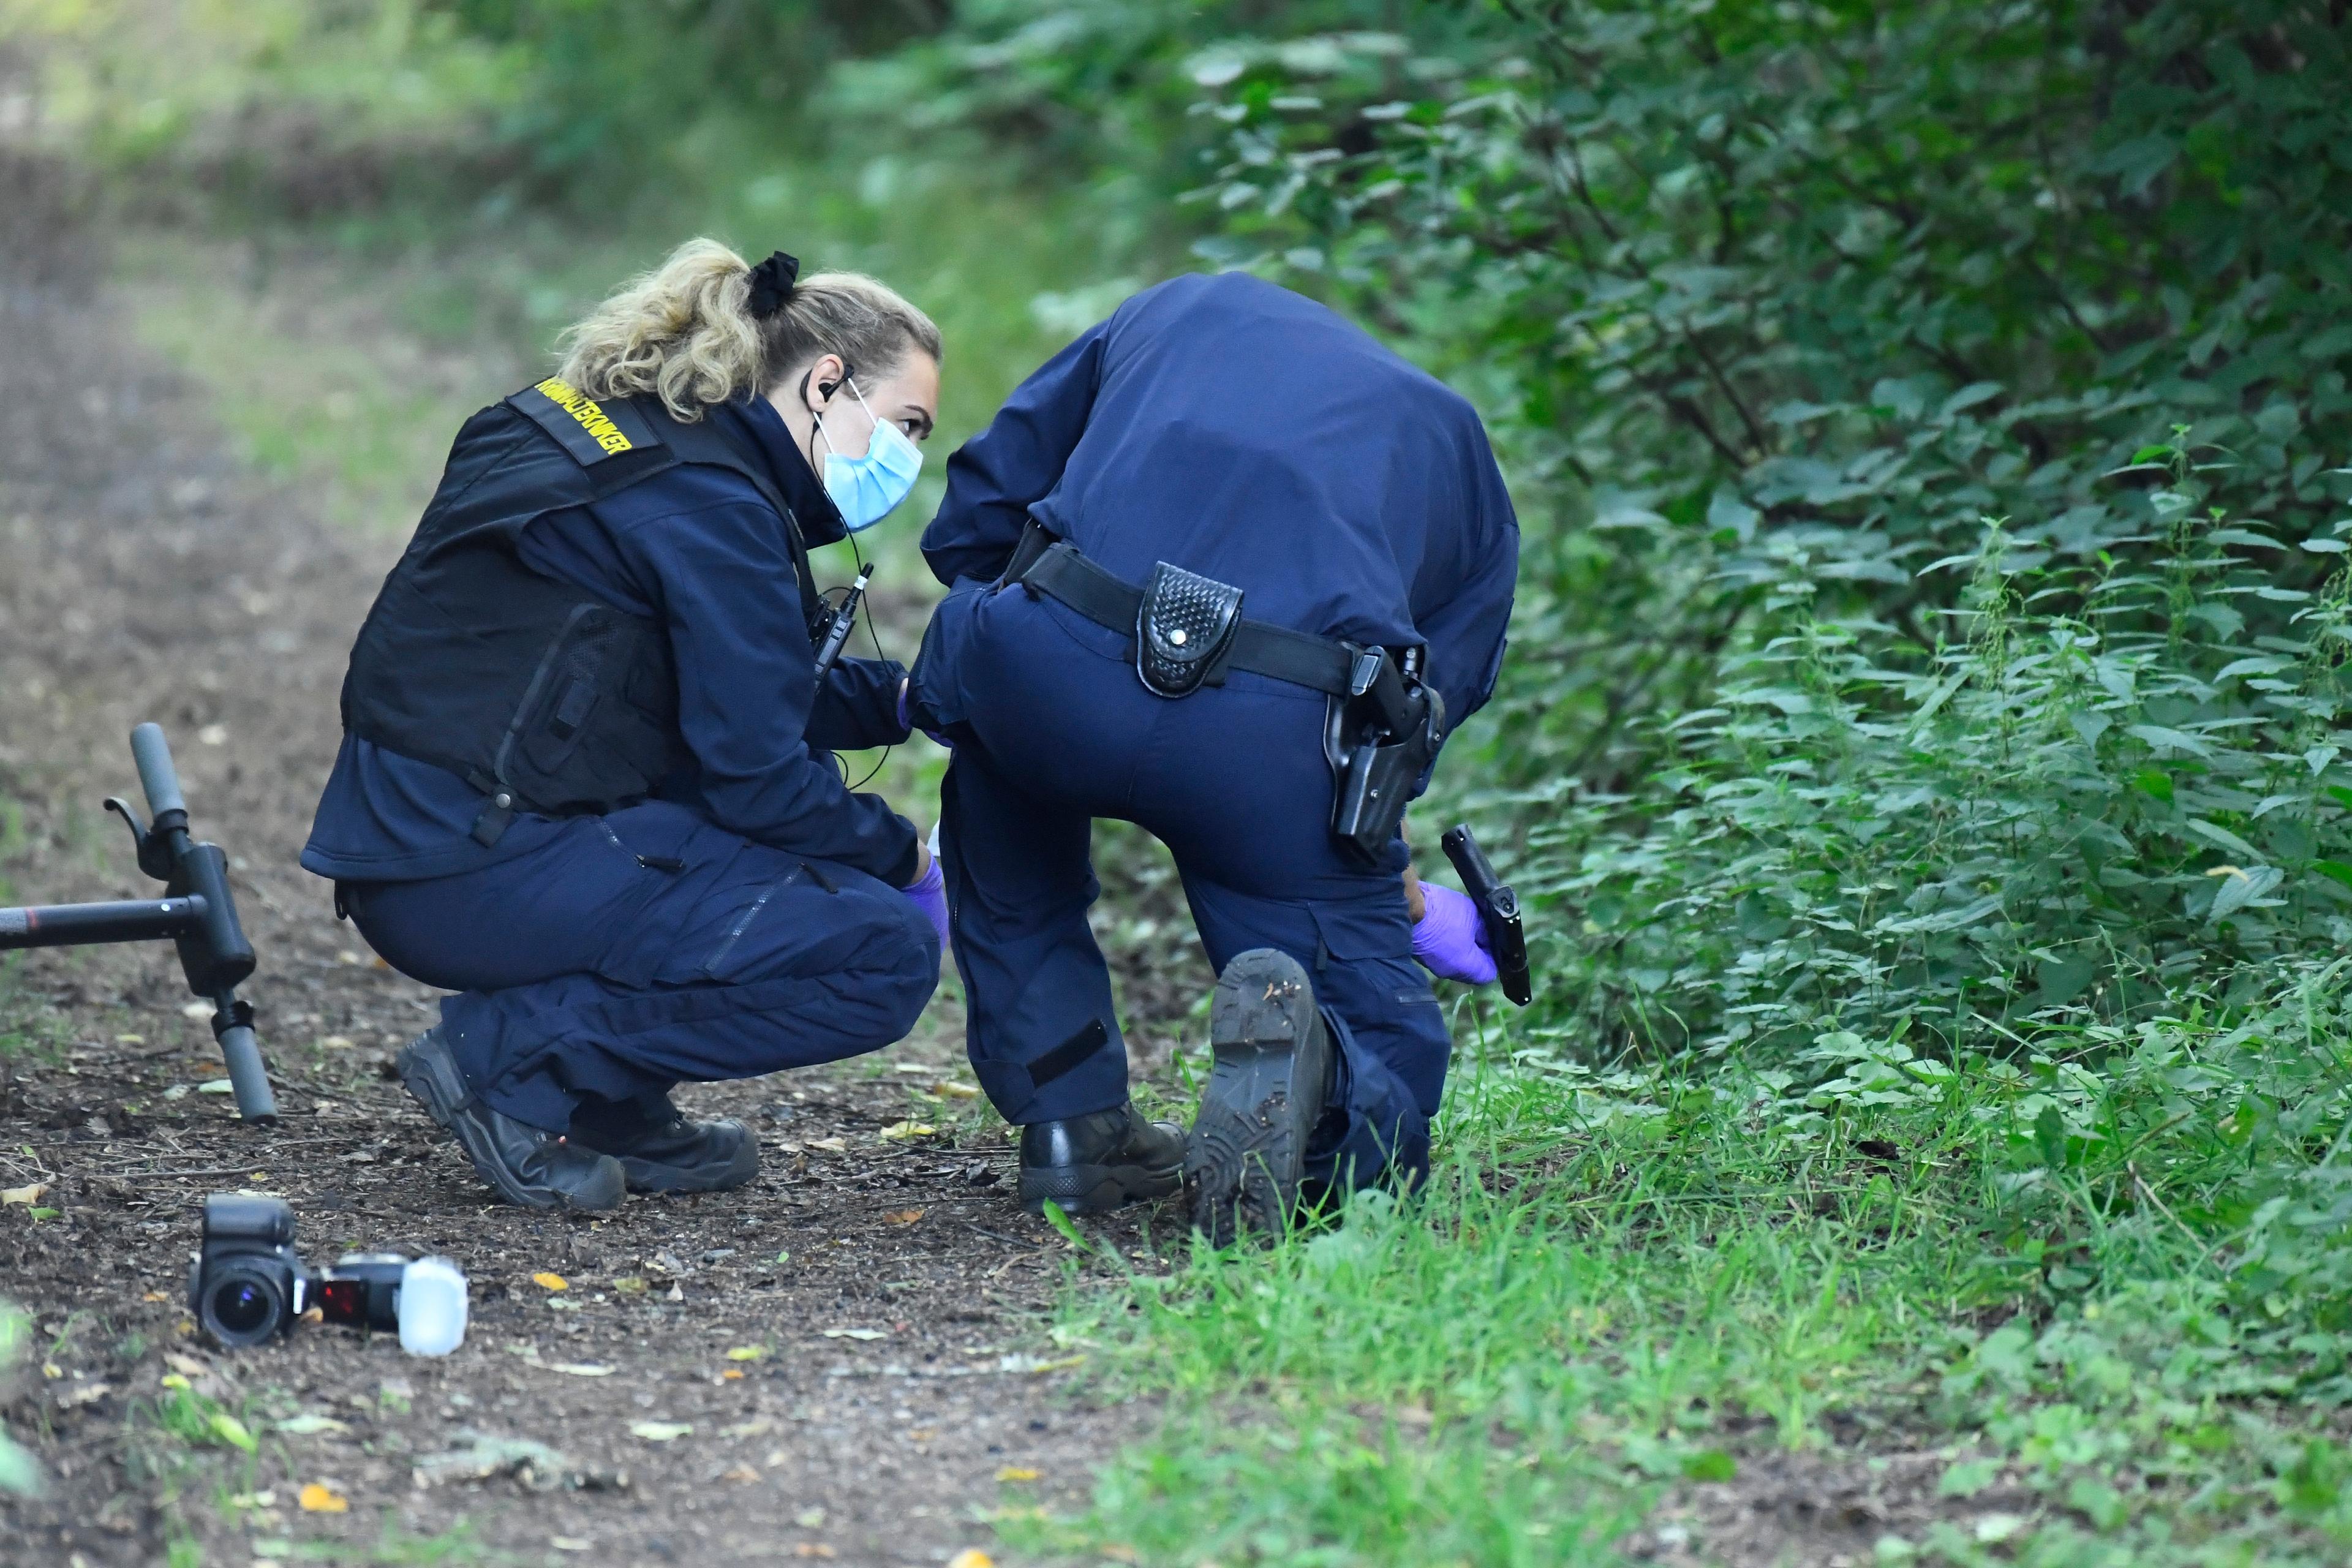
{"x": 830, "y": 1145}
{"x": 83, "y": 1393}
{"x": 853, "y": 1334}
{"x": 902, "y": 1216}
{"x": 660, "y": 1431}
{"x": 1018, "y": 1473}
{"x": 901, "y": 1132}
{"x": 25, "y": 1195}
{"x": 972, "y": 1557}
{"x": 630, "y": 1285}
{"x": 334, "y": 1043}
{"x": 316, "y": 1499}
{"x": 733, "y": 1374}
{"x": 955, "y": 1090}
{"x": 811, "y": 1549}
{"x": 748, "y": 1352}
{"x": 580, "y": 1368}
{"x": 740, "y": 1473}
{"x": 303, "y": 1425}
{"x": 546, "y": 1281}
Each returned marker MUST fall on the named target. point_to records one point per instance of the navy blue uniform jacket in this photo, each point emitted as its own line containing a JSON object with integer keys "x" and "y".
{"x": 698, "y": 549}
{"x": 1234, "y": 429}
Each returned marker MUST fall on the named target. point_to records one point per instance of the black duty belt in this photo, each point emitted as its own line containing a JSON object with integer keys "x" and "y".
{"x": 1381, "y": 727}
{"x": 1044, "y": 564}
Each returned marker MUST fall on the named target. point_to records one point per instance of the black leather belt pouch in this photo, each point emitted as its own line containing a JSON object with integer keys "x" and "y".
{"x": 1182, "y": 630}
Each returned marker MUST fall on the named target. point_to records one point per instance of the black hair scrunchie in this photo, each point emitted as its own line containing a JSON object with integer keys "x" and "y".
{"x": 771, "y": 284}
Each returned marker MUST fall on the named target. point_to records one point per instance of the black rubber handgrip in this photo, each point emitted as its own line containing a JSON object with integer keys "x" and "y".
{"x": 157, "y": 776}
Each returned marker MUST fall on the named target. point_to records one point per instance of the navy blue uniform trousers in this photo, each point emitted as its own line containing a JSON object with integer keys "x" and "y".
{"x": 635, "y": 950}
{"x": 1051, "y": 728}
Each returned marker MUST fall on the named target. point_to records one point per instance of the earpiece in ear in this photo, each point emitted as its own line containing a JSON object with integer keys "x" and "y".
{"x": 825, "y": 389}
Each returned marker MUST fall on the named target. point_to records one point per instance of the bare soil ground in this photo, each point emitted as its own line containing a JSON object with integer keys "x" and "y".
{"x": 882, "y": 1293}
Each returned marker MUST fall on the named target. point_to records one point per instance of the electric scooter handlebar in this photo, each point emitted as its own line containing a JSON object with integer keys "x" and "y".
{"x": 157, "y": 777}
{"x": 197, "y": 914}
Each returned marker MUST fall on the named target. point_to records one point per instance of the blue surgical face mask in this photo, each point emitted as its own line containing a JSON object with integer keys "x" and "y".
{"x": 866, "y": 487}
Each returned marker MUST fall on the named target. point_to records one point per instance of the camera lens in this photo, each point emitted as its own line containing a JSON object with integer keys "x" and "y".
{"x": 241, "y": 1306}
{"x": 244, "y": 1307}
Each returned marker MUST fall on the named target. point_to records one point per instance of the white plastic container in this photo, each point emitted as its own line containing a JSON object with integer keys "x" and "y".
{"x": 432, "y": 1307}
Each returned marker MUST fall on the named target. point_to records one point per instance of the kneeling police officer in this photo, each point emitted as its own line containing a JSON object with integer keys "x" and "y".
{"x": 586, "y": 779}
{"x": 1228, "y": 569}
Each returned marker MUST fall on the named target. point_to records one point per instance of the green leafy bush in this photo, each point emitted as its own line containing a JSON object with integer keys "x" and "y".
{"x": 1728, "y": 274}
{"x": 2101, "y": 788}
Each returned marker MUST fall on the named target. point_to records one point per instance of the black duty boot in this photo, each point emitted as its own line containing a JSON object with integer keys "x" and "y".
{"x": 1091, "y": 1164}
{"x": 537, "y": 1169}
{"x": 1265, "y": 1093}
{"x": 663, "y": 1151}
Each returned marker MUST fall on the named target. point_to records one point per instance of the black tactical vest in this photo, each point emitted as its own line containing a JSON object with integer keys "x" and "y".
{"x": 541, "y": 696}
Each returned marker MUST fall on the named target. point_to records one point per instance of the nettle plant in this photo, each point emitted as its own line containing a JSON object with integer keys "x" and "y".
{"x": 2106, "y": 786}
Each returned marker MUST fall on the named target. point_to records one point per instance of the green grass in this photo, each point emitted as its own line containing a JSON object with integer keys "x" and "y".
{"x": 1616, "y": 1287}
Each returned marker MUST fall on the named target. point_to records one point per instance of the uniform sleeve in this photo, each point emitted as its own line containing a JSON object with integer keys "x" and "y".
{"x": 858, "y": 706}
{"x": 1466, "y": 628}
{"x": 747, "y": 690}
{"x": 995, "y": 477}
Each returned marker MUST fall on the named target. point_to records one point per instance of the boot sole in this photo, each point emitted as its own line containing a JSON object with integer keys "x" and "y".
{"x": 433, "y": 1078}
{"x": 1096, "y": 1189}
{"x": 1272, "y": 1062}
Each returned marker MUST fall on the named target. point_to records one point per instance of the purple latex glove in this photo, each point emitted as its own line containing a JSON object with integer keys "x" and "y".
{"x": 907, "y": 720}
{"x": 930, "y": 895}
{"x": 1450, "y": 939}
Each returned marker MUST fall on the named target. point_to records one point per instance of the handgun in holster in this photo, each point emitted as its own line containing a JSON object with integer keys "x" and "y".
{"x": 1379, "y": 740}
{"x": 1498, "y": 912}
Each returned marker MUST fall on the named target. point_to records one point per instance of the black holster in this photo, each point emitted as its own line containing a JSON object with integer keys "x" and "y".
{"x": 1379, "y": 741}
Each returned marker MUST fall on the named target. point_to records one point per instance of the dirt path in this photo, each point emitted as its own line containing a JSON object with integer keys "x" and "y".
{"x": 142, "y": 575}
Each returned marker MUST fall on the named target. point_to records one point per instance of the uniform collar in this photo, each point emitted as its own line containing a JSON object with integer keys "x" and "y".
{"x": 755, "y": 427}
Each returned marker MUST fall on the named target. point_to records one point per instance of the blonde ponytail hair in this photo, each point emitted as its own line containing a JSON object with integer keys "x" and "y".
{"x": 685, "y": 333}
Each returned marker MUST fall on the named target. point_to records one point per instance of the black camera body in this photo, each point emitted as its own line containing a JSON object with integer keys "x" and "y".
{"x": 247, "y": 1285}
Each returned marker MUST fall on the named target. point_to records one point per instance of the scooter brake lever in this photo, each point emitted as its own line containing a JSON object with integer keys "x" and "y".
{"x": 153, "y": 857}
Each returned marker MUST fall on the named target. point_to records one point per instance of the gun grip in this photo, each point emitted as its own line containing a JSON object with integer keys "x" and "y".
{"x": 1498, "y": 911}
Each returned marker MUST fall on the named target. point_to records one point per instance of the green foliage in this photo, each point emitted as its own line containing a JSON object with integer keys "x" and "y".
{"x": 1741, "y": 277}
{"x": 2100, "y": 789}
{"x": 615, "y": 88}
{"x": 18, "y": 1472}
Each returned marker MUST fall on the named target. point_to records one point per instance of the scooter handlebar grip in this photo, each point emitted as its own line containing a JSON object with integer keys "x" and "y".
{"x": 247, "y": 1077}
{"x": 157, "y": 776}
